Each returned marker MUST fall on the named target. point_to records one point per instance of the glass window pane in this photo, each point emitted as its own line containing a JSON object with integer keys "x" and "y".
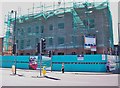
{"x": 51, "y": 27}
{"x": 37, "y": 29}
{"x": 74, "y": 39}
{"x": 22, "y": 32}
{"x": 91, "y": 23}
{"x": 18, "y": 31}
{"x": 36, "y": 40}
{"x": 42, "y": 29}
{"x": 61, "y": 26}
{"x": 60, "y": 40}
{"x": 22, "y": 44}
{"x": 28, "y": 42}
{"x": 50, "y": 41}
{"x": 29, "y": 30}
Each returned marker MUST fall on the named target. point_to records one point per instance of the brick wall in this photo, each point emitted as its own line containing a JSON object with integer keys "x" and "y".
{"x": 1, "y": 45}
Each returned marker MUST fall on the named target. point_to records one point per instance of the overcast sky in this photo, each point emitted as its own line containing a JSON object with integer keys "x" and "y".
{"x": 6, "y": 6}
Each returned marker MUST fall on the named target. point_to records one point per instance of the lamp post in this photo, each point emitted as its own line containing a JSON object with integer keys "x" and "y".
{"x": 14, "y": 26}
{"x": 14, "y": 42}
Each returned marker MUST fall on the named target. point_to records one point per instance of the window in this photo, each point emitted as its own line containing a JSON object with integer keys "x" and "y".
{"x": 91, "y": 23}
{"x": 21, "y": 44}
{"x": 42, "y": 29}
{"x": 50, "y": 41}
{"x": 61, "y": 26}
{"x": 17, "y": 43}
{"x": 37, "y": 29}
{"x": 29, "y": 30}
{"x": 60, "y": 40}
{"x": 74, "y": 39}
{"x": 51, "y": 27}
{"x": 36, "y": 40}
{"x": 22, "y": 32}
{"x": 85, "y": 22}
{"x": 17, "y": 31}
{"x": 28, "y": 42}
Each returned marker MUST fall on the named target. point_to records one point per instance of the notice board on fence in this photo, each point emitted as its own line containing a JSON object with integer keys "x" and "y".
{"x": 112, "y": 61}
{"x": 33, "y": 62}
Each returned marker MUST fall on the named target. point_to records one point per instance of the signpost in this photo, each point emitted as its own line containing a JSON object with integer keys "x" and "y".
{"x": 14, "y": 53}
{"x": 40, "y": 63}
{"x": 41, "y": 49}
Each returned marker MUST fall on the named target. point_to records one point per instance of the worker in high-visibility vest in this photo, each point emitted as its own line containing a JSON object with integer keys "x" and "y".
{"x": 43, "y": 70}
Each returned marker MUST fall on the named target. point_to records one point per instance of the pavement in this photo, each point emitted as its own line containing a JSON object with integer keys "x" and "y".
{"x": 54, "y": 78}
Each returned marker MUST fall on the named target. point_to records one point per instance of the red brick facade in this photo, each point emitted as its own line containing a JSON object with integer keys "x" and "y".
{"x": 100, "y": 50}
{"x": 1, "y": 46}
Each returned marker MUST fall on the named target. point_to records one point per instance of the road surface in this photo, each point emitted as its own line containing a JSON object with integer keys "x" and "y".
{"x": 29, "y": 78}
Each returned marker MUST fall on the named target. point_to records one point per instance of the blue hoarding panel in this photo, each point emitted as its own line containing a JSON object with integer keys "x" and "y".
{"x": 21, "y": 61}
{"x": 0, "y": 61}
{"x": 74, "y": 58}
{"x": 7, "y": 61}
{"x": 64, "y": 58}
{"x": 80, "y": 68}
{"x": 91, "y": 63}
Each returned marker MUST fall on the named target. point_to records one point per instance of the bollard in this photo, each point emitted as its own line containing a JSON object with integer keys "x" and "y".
{"x": 13, "y": 69}
{"x": 43, "y": 71}
{"x": 62, "y": 68}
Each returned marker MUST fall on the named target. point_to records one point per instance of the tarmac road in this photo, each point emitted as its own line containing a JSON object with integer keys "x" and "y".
{"x": 29, "y": 78}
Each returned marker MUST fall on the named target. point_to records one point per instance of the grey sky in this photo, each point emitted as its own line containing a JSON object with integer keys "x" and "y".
{"x": 8, "y": 6}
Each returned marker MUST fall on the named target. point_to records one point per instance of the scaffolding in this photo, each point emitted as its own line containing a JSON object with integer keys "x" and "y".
{"x": 56, "y": 8}
{"x": 9, "y": 33}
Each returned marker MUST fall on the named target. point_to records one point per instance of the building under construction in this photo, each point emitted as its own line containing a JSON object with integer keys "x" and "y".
{"x": 66, "y": 26}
